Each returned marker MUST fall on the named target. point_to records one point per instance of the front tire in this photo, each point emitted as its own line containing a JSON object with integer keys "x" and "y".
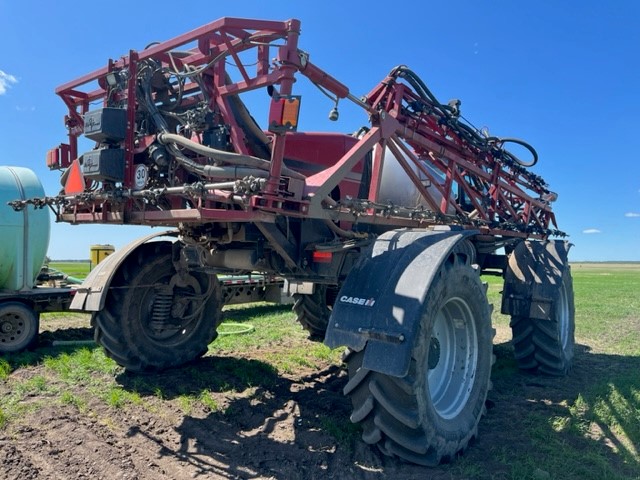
{"x": 432, "y": 413}
{"x": 546, "y": 346}
{"x": 155, "y": 318}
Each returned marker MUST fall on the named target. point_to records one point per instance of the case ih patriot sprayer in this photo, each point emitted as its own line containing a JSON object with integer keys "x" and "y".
{"x": 382, "y": 235}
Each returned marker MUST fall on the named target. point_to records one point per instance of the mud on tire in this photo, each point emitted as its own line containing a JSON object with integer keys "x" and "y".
{"x": 146, "y": 325}
{"x": 432, "y": 413}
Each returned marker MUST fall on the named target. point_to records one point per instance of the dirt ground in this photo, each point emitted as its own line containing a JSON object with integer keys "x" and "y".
{"x": 274, "y": 428}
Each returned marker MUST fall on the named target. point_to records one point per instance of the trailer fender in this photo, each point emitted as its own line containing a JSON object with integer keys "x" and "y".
{"x": 380, "y": 303}
{"x": 533, "y": 274}
{"x": 91, "y": 295}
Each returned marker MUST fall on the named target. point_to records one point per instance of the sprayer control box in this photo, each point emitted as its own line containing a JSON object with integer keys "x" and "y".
{"x": 105, "y": 164}
{"x": 106, "y": 125}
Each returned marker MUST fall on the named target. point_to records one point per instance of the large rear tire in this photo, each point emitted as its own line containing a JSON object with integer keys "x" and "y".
{"x": 432, "y": 413}
{"x": 546, "y": 346}
{"x": 313, "y": 311}
{"x": 19, "y": 326}
{"x": 154, "y": 318}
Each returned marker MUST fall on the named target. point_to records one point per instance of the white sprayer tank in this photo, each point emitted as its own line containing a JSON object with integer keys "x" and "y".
{"x": 24, "y": 235}
{"x": 396, "y": 187}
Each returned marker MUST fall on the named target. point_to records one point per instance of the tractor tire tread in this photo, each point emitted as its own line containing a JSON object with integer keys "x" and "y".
{"x": 388, "y": 407}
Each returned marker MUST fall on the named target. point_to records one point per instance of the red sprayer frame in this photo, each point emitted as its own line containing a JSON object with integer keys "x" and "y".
{"x": 503, "y": 197}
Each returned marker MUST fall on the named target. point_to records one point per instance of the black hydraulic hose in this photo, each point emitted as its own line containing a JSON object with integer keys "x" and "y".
{"x": 469, "y": 133}
{"x": 249, "y": 165}
{"x": 156, "y": 115}
{"x": 161, "y": 124}
{"x": 420, "y": 87}
{"x": 178, "y": 100}
{"x": 501, "y": 141}
{"x": 256, "y": 139}
{"x": 254, "y": 134}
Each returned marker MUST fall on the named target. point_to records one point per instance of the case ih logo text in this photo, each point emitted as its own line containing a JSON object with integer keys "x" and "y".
{"x": 358, "y": 301}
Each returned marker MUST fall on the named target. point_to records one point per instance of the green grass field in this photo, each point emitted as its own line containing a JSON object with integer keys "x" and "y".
{"x": 598, "y": 410}
{"x": 584, "y": 426}
{"x": 73, "y": 269}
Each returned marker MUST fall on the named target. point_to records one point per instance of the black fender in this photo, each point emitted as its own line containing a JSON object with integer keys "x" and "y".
{"x": 380, "y": 303}
{"x": 532, "y": 277}
{"x": 91, "y": 295}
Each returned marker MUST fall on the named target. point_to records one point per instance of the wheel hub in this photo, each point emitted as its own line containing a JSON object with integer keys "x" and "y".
{"x": 6, "y": 327}
{"x": 12, "y": 328}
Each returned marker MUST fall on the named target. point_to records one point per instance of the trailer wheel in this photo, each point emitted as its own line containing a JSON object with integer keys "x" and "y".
{"x": 313, "y": 311}
{"x": 155, "y": 318}
{"x": 19, "y": 326}
{"x": 546, "y": 346}
{"x": 430, "y": 415}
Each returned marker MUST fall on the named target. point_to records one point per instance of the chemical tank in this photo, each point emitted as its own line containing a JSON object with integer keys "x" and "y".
{"x": 24, "y": 234}
{"x": 397, "y": 189}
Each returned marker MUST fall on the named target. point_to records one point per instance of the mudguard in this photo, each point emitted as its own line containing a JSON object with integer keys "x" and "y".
{"x": 532, "y": 278}
{"x": 91, "y": 295}
{"x": 380, "y": 303}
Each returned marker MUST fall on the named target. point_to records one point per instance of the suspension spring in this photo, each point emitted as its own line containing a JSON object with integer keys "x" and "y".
{"x": 162, "y": 306}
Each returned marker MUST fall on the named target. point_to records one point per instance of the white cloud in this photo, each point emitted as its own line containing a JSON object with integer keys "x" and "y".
{"x": 591, "y": 230}
{"x": 632, "y": 214}
{"x": 6, "y": 81}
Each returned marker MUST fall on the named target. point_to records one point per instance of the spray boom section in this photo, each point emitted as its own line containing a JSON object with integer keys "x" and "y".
{"x": 174, "y": 143}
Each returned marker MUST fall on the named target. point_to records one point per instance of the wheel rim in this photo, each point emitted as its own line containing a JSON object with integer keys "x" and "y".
{"x": 453, "y": 358}
{"x": 13, "y": 328}
{"x": 563, "y": 317}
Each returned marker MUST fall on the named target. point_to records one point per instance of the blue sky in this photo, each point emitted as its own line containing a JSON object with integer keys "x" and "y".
{"x": 562, "y": 75}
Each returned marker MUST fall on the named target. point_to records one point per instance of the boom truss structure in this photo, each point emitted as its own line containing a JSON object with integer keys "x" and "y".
{"x": 464, "y": 177}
